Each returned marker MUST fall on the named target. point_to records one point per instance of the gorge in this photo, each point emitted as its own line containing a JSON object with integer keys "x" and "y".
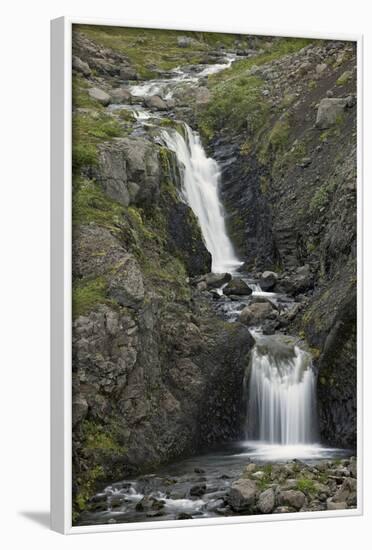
{"x": 214, "y": 279}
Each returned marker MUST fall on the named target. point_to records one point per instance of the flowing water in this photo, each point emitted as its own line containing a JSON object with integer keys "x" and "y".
{"x": 281, "y": 403}
{"x": 201, "y": 176}
{"x": 280, "y": 382}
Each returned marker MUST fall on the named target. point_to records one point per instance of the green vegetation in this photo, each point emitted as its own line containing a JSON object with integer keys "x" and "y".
{"x": 306, "y": 485}
{"x": 344, "y": 78}
{"x": 80, "y": 97}
{"x": 91, "y": 204}
{"x": 237, "y": 101}
{"x": 89, "y": 129}
{"x": 149, "y": 48}
{"x": 87, "y": 294}
{"x": 322, "y": 196}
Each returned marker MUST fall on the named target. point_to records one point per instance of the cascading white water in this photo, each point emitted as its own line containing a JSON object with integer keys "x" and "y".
{"x": 281, "y": 398}
{"x": 201, "y": 177}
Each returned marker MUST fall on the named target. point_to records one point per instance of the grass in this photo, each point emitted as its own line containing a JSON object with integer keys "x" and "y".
{"x": 91, "y": 204}
{"x": 237, "y": 101}
{"x": 306, "y": 485}
{"x": 151, "y": 49}
{"x": 80, "y": 97}
{"x": 322, "y": 197}
{"x": 87, "y": 294}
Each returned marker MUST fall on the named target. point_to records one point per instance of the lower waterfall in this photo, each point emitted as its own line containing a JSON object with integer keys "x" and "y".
{"x": 281, "y": 394}
{"x": 201, "y": 176}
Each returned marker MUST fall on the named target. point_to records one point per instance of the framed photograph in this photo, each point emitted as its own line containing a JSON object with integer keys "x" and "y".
{"x": 206, "y": 276}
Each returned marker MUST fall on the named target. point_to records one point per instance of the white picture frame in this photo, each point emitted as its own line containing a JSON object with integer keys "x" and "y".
{"x": 61, "y": 286}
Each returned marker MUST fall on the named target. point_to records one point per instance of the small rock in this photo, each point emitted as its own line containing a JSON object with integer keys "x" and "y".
{"x": 266, "y": 501}
{"x": 128, "y": 73}
{"x": 120, "y": 95}
{"x": 295, "y": 499}
{"x": 100, "y": 96}
{"x": 156, "y": 102}
{"x": 80, "y": 66}
{"x": 198, "y": 490}
{"x": 320, "y": 68}
{"x": 331, "y": 505}
{"x": 268, "y": 280}
{"x": 184, "y": 41}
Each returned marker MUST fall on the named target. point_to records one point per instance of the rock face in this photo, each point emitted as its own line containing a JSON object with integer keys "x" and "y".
{"x": 129, "y": 171}
{"x": 303, "y": 222}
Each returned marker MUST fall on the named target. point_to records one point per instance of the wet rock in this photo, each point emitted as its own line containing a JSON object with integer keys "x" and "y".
{"x": 100, "y": 96}
{"x": 329, "y": 111}
{"x": 292, "y": 498}
{"x": 238, "y": 287}
{"x": 268, "y": 280}
{"x": 198, "y": 490}
{"x": 184, "y": 515}
{"x": 120, "y": 95}
{"x": 266, "y": 501}
{"x": 254, "y": 314}
{"x": 156, "y": 102}
{"x": 242, "y": 494}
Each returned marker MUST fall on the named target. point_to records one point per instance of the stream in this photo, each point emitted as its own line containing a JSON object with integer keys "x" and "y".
{"x": 280, "y": 386}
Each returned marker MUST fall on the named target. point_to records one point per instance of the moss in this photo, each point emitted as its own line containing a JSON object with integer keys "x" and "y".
{"x": 96, "y": 437}
{"x": 89, "y": 129}
{"x": 87, "y": 485}
{"x": 91, "y": 204}
{"x": 344, "y": 78}
{"x": 87, "y": 294}
{"x": 306, "y": 485}
{"x": 80, "y": 96}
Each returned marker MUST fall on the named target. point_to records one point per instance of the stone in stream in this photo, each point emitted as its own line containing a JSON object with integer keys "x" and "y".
{"x": 237, "y": 287}
{"x": 120, "y": 95}
{"x": 156, "y": 102}
{"x": 100, "y": 96}
{"x": 266, "y": 501}
{"x": 213, "y": 280}
{"x": 268, "y": 280}
{"x": 242, "y": 494}
{"x": 254, "y": 314}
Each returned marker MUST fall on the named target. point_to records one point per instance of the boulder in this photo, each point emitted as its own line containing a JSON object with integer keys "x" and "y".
{"x": 292, "y": 498}
{"x": 268, "y": 280}
{"x": 242, "y": 494}
{"x": 237, "y": 287}
{"x": 129, "y": 171}
{"x": 198, "y": 490}
{"x": 156, "y": 102}
{"x": 80, "y": 66}
{"x": 100, "y": 96}
{"x": 266, "y": 501}
{"x": 128, "y": 73}
{"x": 120, "y": 95}
{"x": 329, "y": 111}
{"x": 300, "y": 281}
{"x": 214, "y": 280}
{"x": 332, "y": 505}
{"x": 254, "y": 314}
{"x": 321, "y": 68}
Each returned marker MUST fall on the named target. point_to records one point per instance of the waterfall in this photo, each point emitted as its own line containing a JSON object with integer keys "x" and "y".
{"x": 201, "y": 176}
{"x": 281, "y": 404}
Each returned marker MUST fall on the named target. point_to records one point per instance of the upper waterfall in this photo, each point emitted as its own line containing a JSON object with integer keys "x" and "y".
{"x": 201, "y": 176}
